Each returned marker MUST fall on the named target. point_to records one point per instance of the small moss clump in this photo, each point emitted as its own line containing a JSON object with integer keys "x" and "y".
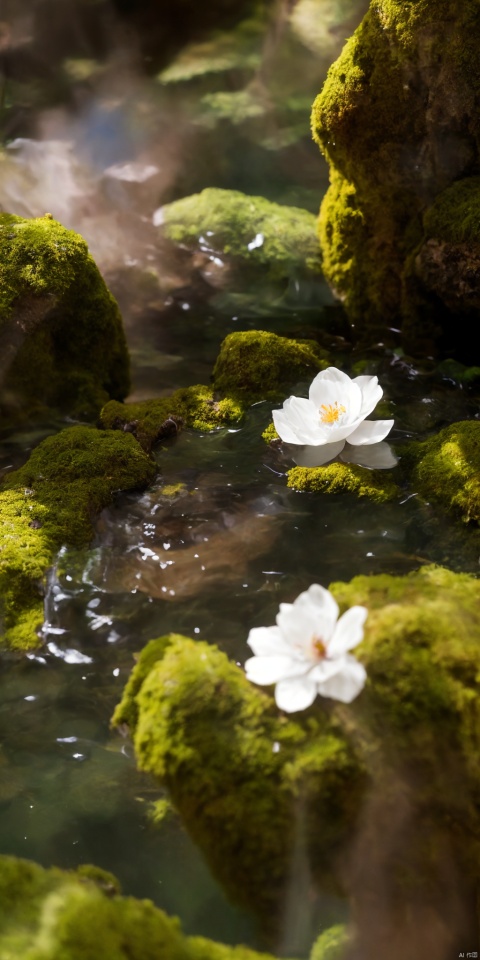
{"x": 255, "y": 365}
{"x": 331, "y": 945}
{"x": 375, "y": 485}
{"x": 237, "y": 771}
{"x": 61, "y": 332}
{"x": 43, "y": 916}
{"x": 446, "y": 469}
{"x": 278, "y": 239}
{"x": 50, "y": 502}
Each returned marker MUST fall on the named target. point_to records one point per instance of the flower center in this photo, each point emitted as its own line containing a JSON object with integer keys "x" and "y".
{"x": 329, "y": 413}
{"x": 318, "y": 648}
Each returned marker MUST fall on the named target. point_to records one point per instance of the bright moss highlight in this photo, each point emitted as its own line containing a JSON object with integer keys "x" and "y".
{"x": 331, "y": 945}
{"x": 74, "y": 354}
{"x": 52, "y": 501}
{"x": 75, "y": 915}
{"x": 270, "y": 434}
{"x": 375, "y": 485}
{"x": 278, "y": 239}
{"x": 446, "y": 468}
{"x": 255, "y": 365}
{"x": 210, "y": 737}
{"x": 378, "y": 129}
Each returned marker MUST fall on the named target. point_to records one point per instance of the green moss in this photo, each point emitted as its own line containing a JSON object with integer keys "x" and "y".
{"x": 270, "y": 434}
{"x": 153, "y": 420}
{"x": 455, "y": 214}
{"x": 376, "y": 485}
{"x": 237, "y": 771}
{"x": 43, "y": 917}
{"x": 446, "y": 469}
{"x": 254, "y": 365}
{"x": 51, "y": 290}
{"x": 52, "y": 501}
{"x": 331, "y": 945}
{"x": 230, "y": 222}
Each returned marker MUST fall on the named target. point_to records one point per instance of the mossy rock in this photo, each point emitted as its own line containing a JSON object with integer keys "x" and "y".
{"x": 277, "y": 240}
{"x": 77, "y": 915}
{"x": 252, "y": 365}
{"x": 331, "y": 945}
{"x": 62, "y": 342}
{"x": 375, "y": 485}
{"x": 53, "y": 501}
{"x": 446, "y": 469}
{"x": 237, "y": 771}
{"x": 397, "y": 120}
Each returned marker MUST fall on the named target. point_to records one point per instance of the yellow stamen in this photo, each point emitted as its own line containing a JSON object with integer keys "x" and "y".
{"x": 331, "y": 412}
{"x": 319, "y": 647}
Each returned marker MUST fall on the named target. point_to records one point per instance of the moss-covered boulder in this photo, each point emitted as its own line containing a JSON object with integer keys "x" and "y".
{"x": 62, "y": 342}
{"x": 446, "y": 469}
{"x": 397, "y": 120}
{"x": 53, "y": 501}
{"x": 79, "y": 915}
{"x": 237, "y": 772}
{"x": 375, "y": 485}
{"x": 274, "y": 242}
{"x": 252, "y": 365}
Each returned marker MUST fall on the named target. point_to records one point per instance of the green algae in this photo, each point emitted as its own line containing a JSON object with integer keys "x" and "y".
{"x": 255, "y": 365}
{"x": 43, "y": 917}
{"x": 278, "y": 239}
{"x": 237, "y": 771}
{"x": 52, "y": 501}
{"x": 375, "y": 485}
{"x": 62, "y": 320}
{"x": 446, "y": 468}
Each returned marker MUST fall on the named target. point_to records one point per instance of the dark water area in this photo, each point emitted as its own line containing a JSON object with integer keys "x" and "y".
{"x": 219, "y": 541}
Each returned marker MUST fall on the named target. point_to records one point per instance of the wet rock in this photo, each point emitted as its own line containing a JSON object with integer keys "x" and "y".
{"x": 397, "y": 120}
{"x": 446, "y": 469}
{"x": 58, "y": 319}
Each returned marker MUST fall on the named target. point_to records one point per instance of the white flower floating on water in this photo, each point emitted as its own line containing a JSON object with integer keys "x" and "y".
{"x": 307, "y": 652}
{"x": 334, "y": 413}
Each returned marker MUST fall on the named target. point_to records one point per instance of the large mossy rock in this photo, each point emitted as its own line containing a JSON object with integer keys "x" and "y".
{"x": 62, "y": 342}
{"x": 79, "y": 915}
{"x": 397, "y": 120}
{"x": 446, "y": 469}
{"x": 238, "y": 771}
{"x": 50, "y": 502}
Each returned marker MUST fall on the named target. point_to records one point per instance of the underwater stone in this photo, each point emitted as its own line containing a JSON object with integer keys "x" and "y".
{"x": 446, "y": 468}
{"x": 375, "y": 485}
{"x": 397, "y": 120}
{"x": 78, "y": 915}
{"x": 62, "y": 342}
{"x": 279, "y": 240}
{"x": 237, "y": 770}
{"x": 52, "y": 501}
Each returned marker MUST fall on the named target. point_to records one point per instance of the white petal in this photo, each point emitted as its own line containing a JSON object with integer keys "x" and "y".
{"x": 267, "y": 670}
{"x": 298, "y": 624}
{"x": 371, "y": 393}
{"x": 296, "y": 694}
{"x": 326, "y": 669}
{"x": 344, "y": 394}
{"x": 332, "y": 374}
{"x": 297, "y": 422}
{"x": 325, "y": 604}
{"x": 348, "y": 631}
{"x": 370, "y": 431}
{"x": 347, "y": 684}
{"x": 375, "y": 456}
{"x": 318, "y": 455}
{"x": 267, "y": 641}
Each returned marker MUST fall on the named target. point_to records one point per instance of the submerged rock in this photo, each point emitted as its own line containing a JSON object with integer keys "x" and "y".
{"x": 397, "y": 120}
{"x": 51, "y": 502}
{"x": 384, "y": 770}
{"x": 62, "y": 342}
{"x": 79, "y": 914}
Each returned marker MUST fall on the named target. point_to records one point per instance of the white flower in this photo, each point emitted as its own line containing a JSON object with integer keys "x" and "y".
{"x": 307, "y": 652}
{"x": 334, "y": 412}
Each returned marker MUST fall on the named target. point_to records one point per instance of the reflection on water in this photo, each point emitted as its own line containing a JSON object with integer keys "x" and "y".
{"x": 102, "y": 137}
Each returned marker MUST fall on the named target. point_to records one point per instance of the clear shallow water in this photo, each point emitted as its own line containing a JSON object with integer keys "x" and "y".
{"x": 210, "y": 562}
